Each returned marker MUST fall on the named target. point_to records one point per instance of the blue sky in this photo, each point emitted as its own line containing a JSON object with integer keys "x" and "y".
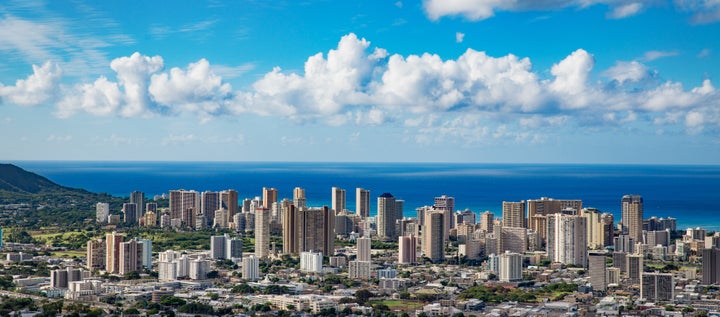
{"x": 561, "y": 81}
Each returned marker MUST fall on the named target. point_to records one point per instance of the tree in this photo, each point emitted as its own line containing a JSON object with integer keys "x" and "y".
{"x": 172, "y": 301}
{"x": 362, "y": 296}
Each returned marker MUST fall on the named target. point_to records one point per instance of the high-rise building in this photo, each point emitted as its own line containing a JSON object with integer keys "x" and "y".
{"x": 608, "y": 223}
{"x": 130, "y": 257}
{"x": 487, "y": 220}
{"x": 597, "y": 270}
{"x": 595, "y": 237}
{"x": 102, "y": 211}
{"x": 447, "y": 205}
{"x": 146, "y": 251}
{"x": 656, "y": 287}
{"x": 209, "y": 202}
{"x": 547, "y": 206}
{"x": 632, "y": 216}
{"x": 620, "y": 261}
{"x": 433, "y": 243}
{"x": 316, "y": 230}
{"x": 386, "y": 216}
{"x": 130, "y": 212}
{"x": 233, "y": 248}
{"x": 96, "y": 254}
{"x": 362, "y": 202}
{"x": 217, "y": 247}
{"x": 510, "y": 267}
{"x": 262, "y": 232}
{"x": 270, "y": 196}
{"x": 466, "y": 216}
{"x": 338, "y": 199}
{"x": 399, "y": 205}
{"x": 229, "y": 202}
{"x": 364, "y": 245}
{"x": 311, "y": 261}
{"x": 513, "y": 239}
{"x": 635, "y": 267}
{"x": 513, "y": 214}
{"x": 624, "y": 243}
{"x": 138, "y": 198}
{"x": 299, "y": 199}
{"x": 184, "y": 205}
{"x": 112, "y": 249}
{"x": 407, "y": 249}
{"x": 251, "y": 268}
{"x": 567, "y": 239}
{"x": 290, "y": 230}
{"x": 710, "y": 266}
{"x": 198, "y": 269}
{"x": 359, "y": 269}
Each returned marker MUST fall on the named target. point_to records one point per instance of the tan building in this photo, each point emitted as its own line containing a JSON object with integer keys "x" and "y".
{"x": 362, "y": 202}
{"x": 338, "y": 199}
{"x": 547, "y": 206}
{"x": 487, "y": 221}
{"x": 262, "y": 232}
{"x": 270, "y": 196}
{"x": 595, "y": 228}
{"x": 447, "y": 205}
{"x": 316, "y": 230}
{"x": 513, "y": 214}
{"x": 567, "y": 239}
{"x": 407, "y": 250}
{"x": 112, "y": 252}
{"x": 632, "y": 216}
{"x": 364, "y": 246}
{"x": 386, "y": 217}
{"x": 96, "y": 254}
{"x": 299, "y": 199}
{"x": 290, "y": 230}
{"x": 184, "y": 204}
{"x": 130, "y": 257}
{"x": 229, "y": 202}
{"x": 433, "y": 244}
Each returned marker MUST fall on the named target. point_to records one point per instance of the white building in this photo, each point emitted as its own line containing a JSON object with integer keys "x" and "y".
{"x": 311, "y": 262}
{"x": 359, "y": 269}
{"x": 251, "y": 268}
{"x": 510, "y": 267}
{"x": 199, "y": 269}
{"x": 102, "y": 211}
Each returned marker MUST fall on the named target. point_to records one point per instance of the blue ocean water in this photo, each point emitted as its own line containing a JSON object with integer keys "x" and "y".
{"x": 688, "y": 193}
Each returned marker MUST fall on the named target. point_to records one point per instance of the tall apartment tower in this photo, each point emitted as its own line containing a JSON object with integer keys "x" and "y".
{"x": 262, "y": 232}
{"x": 632, "y": 216}
{"x": 130, "y": 255}
{"x": 209, "y": 202}
{"x": 634, "y": 266}
{"x": 130, "y": 211}
{"x": 364, "y": 245}
{"x": 251, "y": 268}
{"x": 138, "y": 198}
{"x": 290, "y": 230}
{"x": 386, "y": 216}
{"x": 547, "y": 206}
{"x": 655, "y": 287}
{"x": 567, "y": 239}
{"x": 608, "y": 225}
{"x": 510, "y": 267}
{"x": 513, "y": 214}
{"x": 433, "y": 244}
{"x": 316, "y": 230}
{"x": 710, "y": 266}
{"x": 299, "y": 199}
{"x": 184, "y": 205}
{"x": 407, "y": 249}
{"x": 447, "y": 205}
{"x": 595, "y": 232}
{"x": 270, "y": 196}
{"x": 597, "y": 269}
{"x": 102, "y": 211}
{"x": 362, "y": 202}
{"x": 112, "y": 249}
{"x": 487, "y": 221}
{"x": 217, "y": 247}
{"x": 96, "y": 254}
{"x": 338, "y": 199}
{"x": 229, "y": 202}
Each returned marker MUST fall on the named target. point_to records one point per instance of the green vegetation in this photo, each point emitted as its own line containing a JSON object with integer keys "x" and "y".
{"x": 497, "y": 294}
{"x": 394, "y": 304}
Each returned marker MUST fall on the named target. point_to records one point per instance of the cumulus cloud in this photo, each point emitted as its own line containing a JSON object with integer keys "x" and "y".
{"x": 39, "y": 87}
{"x": 467, "y": 97}
{"x": 459, "y": 37}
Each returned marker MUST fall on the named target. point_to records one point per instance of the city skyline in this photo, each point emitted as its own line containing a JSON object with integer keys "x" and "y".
{"x": 430, "y": 81}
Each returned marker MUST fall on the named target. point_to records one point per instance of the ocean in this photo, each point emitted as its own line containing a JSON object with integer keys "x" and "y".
{"x": 688, "y": 193}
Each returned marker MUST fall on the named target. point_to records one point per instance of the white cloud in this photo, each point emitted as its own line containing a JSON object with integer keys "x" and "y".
{"x": 459, "y": 37}
{"x": 133, "y": 73}
{"x": 626, "y": 10}
{"x": 653, "y": 55}
{"x": 39, "y": 87}
{"x": 704, "y": 53}
{"x": 571, "y": 79}
{"x": 627, "y": 71}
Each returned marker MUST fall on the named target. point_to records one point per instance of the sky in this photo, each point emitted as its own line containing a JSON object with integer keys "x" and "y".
{"x": 525, "y": 81}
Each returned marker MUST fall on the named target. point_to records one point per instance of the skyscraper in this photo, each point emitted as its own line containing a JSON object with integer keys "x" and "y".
{"x": 632, "y": 216}
{"x": 547, "y": 206}
{"x": 270, "y": 196}
{"x": 386, "y": 216}
{"x": 513, "y": 214}
{"x": 362, "y": 202}
{"x": 635, "y": 266}
{"x": 299, "y": 199}
{"x": 138, "y": 198}
{"x": 447, "y": 205}
{"x": 364, "y": 245}
{"x": 217, "y": 247}
{"x": 595, "y": 237}
{"x": 510, "y": 267}
{"x": 407, "y": 249}
{"x": 597, "y": 271}
{"x": 316, "y": 230}
{"x": 262, "y": 232}
{"x": 567, "y": 239}
{"x": 251, "y": 268}
{"x": 487, "y": 220}
{"x": 657, "y": 287}
{"x": 338, "y": 199}
{"x": 229, "y": 201}
{"x": 209, "y": 202}
{"x": 710, "y": 266}
{"x": 112, "y": 249}
{"x": 290, "y": 230}
{"x": 130, "y": 257}
{"x": 433, "y": 244}
{"x": 102, "y": 211}
{"x": 130, "y": 213}
{"x": 184, "y": 205}
{"x": 96, "y": 254}
{"x": 512, "y": 239}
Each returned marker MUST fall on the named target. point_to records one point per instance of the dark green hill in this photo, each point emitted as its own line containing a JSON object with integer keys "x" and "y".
{"x": 45, "y": 203}
{"x": 17, "y": 180}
